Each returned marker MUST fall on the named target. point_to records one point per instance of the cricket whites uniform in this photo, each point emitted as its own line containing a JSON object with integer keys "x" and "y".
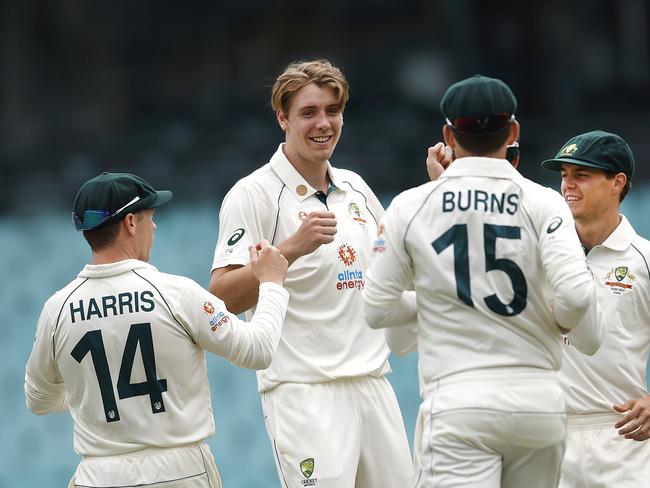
{"x": 331, "y": 415}
{"x": 122, "y": 348}
{"x": 497, "y": 266}
{"x": 596, "y": 455}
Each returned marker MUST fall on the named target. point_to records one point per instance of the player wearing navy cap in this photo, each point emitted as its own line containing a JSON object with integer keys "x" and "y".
{"x": 498, "y": 273}
{"x": 122, "y": 347}
{"x": 607, "y": 399}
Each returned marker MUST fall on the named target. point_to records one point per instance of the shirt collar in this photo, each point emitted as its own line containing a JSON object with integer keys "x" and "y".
{"x": 479, "y": 166}
{"x": 294, "y": 181}
{"x": 621, "y": 238}
{"x": 112, "y": 269}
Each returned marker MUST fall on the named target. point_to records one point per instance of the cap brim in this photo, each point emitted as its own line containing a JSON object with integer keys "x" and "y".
{"x": 162, "y": 197}
{"x": 152, "y": 201}
{"x": 556, "y": 164}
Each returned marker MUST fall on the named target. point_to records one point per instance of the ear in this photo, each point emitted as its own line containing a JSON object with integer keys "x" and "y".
{"x": 619, "y": 182}
{"x": 448, "y": 136}
{"x": 282, "y": 120}
{"x": 129, "y": 223}
{"x": 515, "y": 129}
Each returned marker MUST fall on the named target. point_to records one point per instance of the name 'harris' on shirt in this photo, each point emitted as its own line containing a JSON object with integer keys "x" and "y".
{"x": 111, "y": 305}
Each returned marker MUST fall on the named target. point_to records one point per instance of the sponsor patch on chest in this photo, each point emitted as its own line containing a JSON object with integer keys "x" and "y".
{"x": 351, "y": 277}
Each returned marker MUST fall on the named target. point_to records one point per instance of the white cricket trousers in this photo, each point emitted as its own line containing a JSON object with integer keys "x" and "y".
{"x": 189, "y": 466}
{"x": 498, "y": 427}
{"x": 344, "y": 433}
{"x": 598, "y": 457}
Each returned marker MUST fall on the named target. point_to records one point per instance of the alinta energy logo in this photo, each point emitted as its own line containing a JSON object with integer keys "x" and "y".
{"x": 349, "y": 279}
{"x": 217, "y": 319}
{"x": 208, "y": 308}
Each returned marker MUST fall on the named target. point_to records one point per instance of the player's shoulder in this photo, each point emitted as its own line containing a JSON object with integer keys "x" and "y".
{"x": 541, "y": 200}
{"x": 260, "y": 181}
{"x": 59, "y": 297}
{"x": 351, "y": 179}
{"x": 642, "y": 245}
{"x": 537, "y": 191}
{"x": 407, "y": 204}
{"x": 416, "y": 196}
{"x": 168, "y": 282}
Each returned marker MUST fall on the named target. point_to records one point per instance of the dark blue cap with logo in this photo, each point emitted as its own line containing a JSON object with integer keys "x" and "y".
{"x": 110, "y": 196}
{"x": 595, "y": 149}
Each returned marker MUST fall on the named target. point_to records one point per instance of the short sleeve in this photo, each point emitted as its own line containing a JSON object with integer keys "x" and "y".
{"x": 241, "y": 224}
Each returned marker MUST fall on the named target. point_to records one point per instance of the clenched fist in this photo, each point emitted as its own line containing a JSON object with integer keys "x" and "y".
{"x": 267, "y": 263}
{"x": 317, "y": 229}
{"x": 438, "y": 158}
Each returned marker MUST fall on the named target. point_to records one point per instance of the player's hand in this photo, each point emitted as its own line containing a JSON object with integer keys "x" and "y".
{"x": 439, "y": 157}
{"x": 636, "y": 424}
{"x": 267, "y": 263}
{"x": 317, "y": 229}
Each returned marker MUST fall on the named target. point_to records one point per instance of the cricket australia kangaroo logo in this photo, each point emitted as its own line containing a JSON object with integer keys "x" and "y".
{"x": 620, "y": 280}
{"x": 307, "y": 469}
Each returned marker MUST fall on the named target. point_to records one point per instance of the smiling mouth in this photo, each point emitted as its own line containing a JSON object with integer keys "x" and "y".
{"x": 571, "y": 198}
{"x": 320, "y": 139}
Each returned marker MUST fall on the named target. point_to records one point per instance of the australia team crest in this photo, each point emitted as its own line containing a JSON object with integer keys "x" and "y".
{"x": 620, "y": 280}
{"x": 355, "y": 214}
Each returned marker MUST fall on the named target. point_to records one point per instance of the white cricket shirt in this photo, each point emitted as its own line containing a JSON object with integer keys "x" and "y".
{"x": 122, "y": 346}
{"x": 496, "y": 264}
{"x": 617, "y": 372}
{"x": 324, "y": 336}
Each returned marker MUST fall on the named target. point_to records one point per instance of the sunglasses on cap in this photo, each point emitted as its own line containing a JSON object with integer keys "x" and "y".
{"x": 94, "y": 218}
{"x": 481, "y": 125}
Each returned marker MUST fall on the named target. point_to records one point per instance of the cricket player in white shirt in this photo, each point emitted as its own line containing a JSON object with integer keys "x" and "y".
{"x": 607, "y": 397}
{"x": 498, "y": 272}
{"x": 330, "y": 413}
{"x": 122, "y": 347}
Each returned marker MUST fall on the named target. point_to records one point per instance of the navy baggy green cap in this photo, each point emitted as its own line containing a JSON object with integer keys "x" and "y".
{"x": 478, "y": 105}
{"x": 110, "y": 196}
{"x": 595, "y": 149}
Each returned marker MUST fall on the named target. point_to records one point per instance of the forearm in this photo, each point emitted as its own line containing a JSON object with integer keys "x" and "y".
{"x": 43, "y": 400}
{"x": 290, "y": 251}
{"x": 577, "y": 309}
{"x": 402, "y": 340}
{"x": 238, "y": 288}
{"x": 383, "y": 309}
{"x": 258, "y": 339}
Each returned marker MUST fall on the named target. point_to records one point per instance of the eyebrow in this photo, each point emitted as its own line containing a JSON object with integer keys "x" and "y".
{"x": 313, "y": 106}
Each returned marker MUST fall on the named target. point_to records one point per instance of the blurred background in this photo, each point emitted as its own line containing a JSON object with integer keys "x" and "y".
{"x": 178, "y": 92}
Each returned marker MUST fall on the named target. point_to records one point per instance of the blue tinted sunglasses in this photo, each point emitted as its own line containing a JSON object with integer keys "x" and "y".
{"x": 95, "y": 218}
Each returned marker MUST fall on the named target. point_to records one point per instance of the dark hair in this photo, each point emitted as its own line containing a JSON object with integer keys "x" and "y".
{"x": 102, "y": 237}
{"x": 482, "y": 144}
{"x": 626, "y": 189}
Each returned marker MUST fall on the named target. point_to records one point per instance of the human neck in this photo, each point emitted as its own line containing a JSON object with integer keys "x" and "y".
{"x": 596, "y": 231}
{"x": 462, "y": 153}
{"x": 314, "y": 172}
{"x": 112, "y": 254}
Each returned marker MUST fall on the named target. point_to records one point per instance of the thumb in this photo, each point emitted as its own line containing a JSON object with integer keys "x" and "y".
{"x": 624, "y": 407}
{"x": 253, "y": 253}
{"x": 434, "y": 151}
